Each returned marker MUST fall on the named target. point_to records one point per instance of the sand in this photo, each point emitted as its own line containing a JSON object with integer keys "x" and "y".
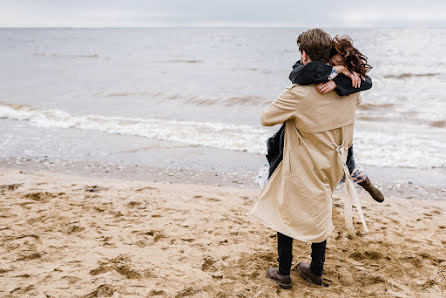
{"x": 73, "y": 236}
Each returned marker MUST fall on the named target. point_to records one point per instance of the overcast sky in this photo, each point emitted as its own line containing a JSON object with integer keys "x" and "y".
{"x": 292, "y": 13}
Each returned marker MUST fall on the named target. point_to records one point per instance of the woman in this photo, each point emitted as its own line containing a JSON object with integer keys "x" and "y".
{"x": 346, "y": 75}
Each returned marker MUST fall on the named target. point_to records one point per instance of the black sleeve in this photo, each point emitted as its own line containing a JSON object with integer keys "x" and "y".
{"x": 275, "y": 146}
{"x": 313, "y": 73}
{"x": 317, "y": 72}
{"x": 344, "y": 85}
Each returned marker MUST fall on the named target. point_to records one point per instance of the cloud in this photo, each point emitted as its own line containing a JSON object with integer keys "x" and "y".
{"x": 396, "y": 17}
{"x": 252, "y": 13}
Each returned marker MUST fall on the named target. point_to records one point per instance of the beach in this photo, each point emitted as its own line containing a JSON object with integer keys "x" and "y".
{"x": 128, "y": 157}
{"x": 89, "y": 236}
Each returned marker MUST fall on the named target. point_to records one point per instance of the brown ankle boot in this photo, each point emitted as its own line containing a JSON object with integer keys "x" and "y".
{"x": 305, "y": 272}
{"x": 284, "y": 281}
{"x": 372, "y": 190}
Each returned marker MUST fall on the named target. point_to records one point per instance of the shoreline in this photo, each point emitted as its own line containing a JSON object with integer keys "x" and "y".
{"x": 96, "y": 236}
{"x": 415, "y": 184}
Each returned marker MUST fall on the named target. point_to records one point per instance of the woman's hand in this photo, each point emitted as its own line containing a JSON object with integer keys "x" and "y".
{"x": 324, "y": 88}
{"x": 354, "y": 76}
{"x": 342, "y": 69}
{"x": 356, "y": 79}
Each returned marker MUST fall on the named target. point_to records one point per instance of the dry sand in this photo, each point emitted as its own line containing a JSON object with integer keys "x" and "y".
{"x": 70, "y": 236}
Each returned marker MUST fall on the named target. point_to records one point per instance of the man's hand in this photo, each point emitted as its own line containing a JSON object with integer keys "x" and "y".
{"x": 324, "y": 88}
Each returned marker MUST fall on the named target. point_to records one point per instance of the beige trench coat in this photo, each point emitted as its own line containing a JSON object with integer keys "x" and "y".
{"x": 297, "y": 199}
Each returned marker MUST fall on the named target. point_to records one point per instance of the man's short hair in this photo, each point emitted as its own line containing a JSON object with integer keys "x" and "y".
{"x": 316, "y": 43}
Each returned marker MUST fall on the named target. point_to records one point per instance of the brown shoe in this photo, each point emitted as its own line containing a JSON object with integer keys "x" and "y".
{"x": 305, "y": 272}
{"x": 284, "y": 281}
{"x": 372, "y": 190}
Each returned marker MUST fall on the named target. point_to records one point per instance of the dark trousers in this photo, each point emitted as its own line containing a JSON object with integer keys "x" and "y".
{"x": 351, "y": 165}
{"x": 285, "y": 249}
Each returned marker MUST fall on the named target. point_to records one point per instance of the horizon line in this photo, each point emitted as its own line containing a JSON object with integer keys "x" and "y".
{"x": 222, "y": 26}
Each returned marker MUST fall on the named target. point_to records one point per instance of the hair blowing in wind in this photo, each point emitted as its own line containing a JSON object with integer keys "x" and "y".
{"x": 354, "y": 59}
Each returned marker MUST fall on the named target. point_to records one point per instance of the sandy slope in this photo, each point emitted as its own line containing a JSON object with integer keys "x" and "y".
{"x": 68, "y": 236}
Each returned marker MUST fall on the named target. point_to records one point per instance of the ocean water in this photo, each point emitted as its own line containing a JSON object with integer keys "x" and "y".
{"x": 205, "y": 88}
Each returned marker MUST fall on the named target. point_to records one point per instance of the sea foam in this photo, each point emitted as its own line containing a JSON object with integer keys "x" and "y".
{"x": 209, "y": 134}
{"x": 380, "y": 147}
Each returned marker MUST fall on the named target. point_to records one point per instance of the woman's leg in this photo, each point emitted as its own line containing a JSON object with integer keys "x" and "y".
{"x": 350, "y": 160}
{"x": 359, "y": 176}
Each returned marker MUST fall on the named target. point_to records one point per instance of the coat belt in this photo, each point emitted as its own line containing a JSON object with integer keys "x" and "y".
{"x": 350, "y": 194}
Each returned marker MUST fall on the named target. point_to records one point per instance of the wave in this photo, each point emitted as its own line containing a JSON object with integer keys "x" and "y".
{"x": 123, "y": 94}
{"x": 186, "y": 61}
{"x": 209, "y": 134}
{"x": 406, "y": 148}
{"x": 68, "y": 55}
{"x": 252, "y": 100}
{"x": 439, "y": 123}
{"x": 254, "y": 69}
{"x": 374, "y": 106}
{"x": 249, "y": 100}
{"x": 410, "y": 75}
{"x": 409, "y": 117}
{"x": 244, "y": 100}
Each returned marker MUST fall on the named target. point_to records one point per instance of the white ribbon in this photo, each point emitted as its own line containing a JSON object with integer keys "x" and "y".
{"x": 350, "y": 194}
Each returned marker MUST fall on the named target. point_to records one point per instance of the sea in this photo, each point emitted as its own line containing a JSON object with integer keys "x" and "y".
{"x": 192, "y": 97}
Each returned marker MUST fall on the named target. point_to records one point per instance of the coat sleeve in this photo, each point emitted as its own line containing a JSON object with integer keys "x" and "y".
{"x": 281, "y": 110}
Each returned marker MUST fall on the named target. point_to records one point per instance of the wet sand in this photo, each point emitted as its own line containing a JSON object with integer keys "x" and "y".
{"x": 63, "y": 235}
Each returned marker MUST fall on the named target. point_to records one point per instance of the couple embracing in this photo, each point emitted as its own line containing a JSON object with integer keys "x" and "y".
{"x": 313, "y": 151}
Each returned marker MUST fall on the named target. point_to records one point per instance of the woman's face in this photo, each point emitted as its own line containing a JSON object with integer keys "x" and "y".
{"x": 337, "y": 59}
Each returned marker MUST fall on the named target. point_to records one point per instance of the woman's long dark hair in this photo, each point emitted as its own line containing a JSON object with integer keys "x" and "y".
{"x": 354, "y": 59}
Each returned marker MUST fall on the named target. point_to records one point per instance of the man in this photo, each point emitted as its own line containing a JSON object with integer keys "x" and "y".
{"x": 296, "y": 201}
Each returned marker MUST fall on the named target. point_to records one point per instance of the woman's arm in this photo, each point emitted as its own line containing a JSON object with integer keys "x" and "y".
{"x": 344, "y": 85}
{"x": 317, "y": 72}
{"x": 313, "y": 73}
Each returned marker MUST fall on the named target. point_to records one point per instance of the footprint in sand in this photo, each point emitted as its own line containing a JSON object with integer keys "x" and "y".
{"x": 121, "y": 264}
{"x": 373, "y": 255}
{"x": 29, "y": 256}
{"x": 208, "y": 264}
{"x": 95, "y": 188}
{"x": 22, "y": 290}
{"x": 156, "y": 292}
{"x": 154, "y": 234}
{"x": 436, "y": 212}
{"x": 10, "y": 187}
{"x": 146, "y": 188}
{"x": 186, "y": 292}
{"x": 73, "y": 228}
{"x": 393, "y": 220}
{"x": 134, "y": 204}
{"x": 42, "y": 196}
{"x": 345, "y": 277}
{"x": 102, "y": 291}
